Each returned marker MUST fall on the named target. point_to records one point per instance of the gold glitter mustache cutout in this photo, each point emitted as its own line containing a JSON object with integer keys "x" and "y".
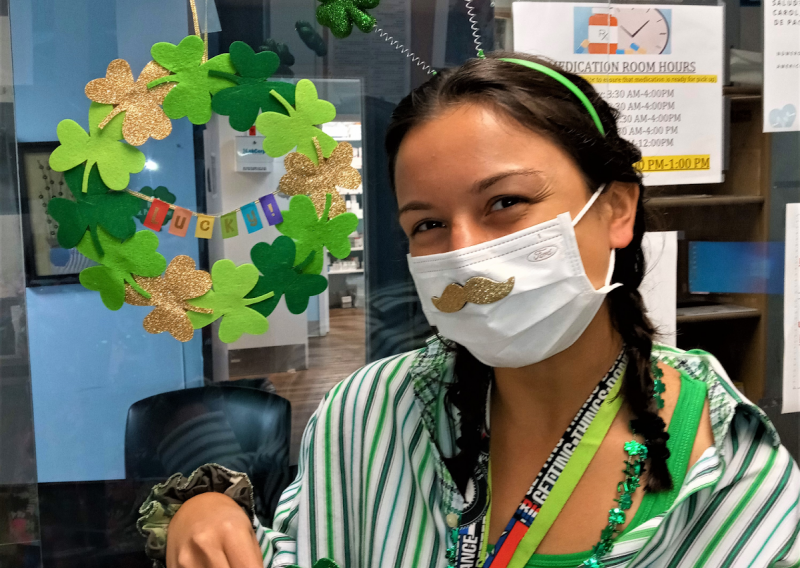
{"x": 477, "y": 290}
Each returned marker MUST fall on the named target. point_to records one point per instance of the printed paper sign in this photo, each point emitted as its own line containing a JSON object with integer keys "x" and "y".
{"x": 781, "y": 65}
{"x": 791, "y": 311}
{"x": 660, "y": 66}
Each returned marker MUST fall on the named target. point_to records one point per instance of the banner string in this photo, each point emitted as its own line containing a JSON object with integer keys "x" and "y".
{"x": 195, "y": 213}
{"x": 196, "y": 21}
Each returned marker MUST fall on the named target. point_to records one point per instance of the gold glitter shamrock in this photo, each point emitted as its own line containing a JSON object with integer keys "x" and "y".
{"x": 142, "y": 106}
{"x": 304, "y": 178}
{"x": 168, "y": 293}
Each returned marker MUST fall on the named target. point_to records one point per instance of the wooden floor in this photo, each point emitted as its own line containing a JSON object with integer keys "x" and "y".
{"x": 331, "y": 358}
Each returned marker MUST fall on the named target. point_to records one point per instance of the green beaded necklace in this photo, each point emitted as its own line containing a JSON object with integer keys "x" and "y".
{"x": 634, "y": 466}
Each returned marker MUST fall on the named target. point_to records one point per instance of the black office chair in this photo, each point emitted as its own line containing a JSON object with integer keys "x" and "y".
{"x": 241, "y": 428}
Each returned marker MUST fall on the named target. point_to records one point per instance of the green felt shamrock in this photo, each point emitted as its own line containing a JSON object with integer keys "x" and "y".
{"x": 119, "y": 263}
{"x": 312, "y": 233}
{"x": 276, "y": 263}
{"x": 115, "y": 160}
{"x": 161, "y": 193}
{"x": 192, "y": 95}
{"x": 252, "y": 91}
{"x": 227, "y": 301}
{"x": 340, "y": 15}
{"x": 282, "y": 133}
{"x": 112, "y": 210}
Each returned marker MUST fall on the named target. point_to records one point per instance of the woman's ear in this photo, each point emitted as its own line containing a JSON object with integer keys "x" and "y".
{"x": 621, "y": 199}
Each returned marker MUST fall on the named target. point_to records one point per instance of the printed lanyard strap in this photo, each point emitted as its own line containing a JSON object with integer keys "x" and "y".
{"x": 576, "y": 447}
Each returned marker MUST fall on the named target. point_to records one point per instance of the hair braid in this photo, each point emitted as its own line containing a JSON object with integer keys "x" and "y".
{"x": 468, "y": 395}
{"x": 629, "y": 317}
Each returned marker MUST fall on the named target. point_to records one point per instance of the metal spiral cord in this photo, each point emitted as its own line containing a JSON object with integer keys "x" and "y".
{"x": 405, "y": 51}
{"x": 476, "y": 34}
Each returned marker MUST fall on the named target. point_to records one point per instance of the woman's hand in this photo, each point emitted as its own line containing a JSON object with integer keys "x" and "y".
{"x": 212, "y": 531}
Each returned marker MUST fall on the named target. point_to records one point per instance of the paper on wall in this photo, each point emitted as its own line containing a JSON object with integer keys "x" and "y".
{"x": 791, "y": 312}
{"x": 659, "y": 288}
{"x": 781, "y": 65}
{"x": 660, "y": 65}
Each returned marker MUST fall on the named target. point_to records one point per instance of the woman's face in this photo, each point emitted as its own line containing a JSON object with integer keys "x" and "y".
{"x": 471, "y": 174}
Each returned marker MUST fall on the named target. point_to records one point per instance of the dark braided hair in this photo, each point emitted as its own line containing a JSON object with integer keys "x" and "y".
{"x": 543, "y": 105}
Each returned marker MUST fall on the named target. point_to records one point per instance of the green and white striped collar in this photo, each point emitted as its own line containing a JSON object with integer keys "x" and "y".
{"x": 432, "y": 372}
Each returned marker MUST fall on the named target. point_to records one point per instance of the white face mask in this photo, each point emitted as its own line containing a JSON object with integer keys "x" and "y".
{"x": 536, "y": 302}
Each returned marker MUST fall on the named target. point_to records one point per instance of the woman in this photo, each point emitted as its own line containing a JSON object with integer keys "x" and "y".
{"x": 523, "y": 209}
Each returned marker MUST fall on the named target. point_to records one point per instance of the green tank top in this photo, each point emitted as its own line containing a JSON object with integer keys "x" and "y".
{"x": 682, "y": 433}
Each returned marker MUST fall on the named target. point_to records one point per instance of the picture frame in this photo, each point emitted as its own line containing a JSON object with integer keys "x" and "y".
{"x": 46, "y": 263}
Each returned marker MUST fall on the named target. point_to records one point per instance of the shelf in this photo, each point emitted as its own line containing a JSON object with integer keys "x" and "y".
{"x": 351, "y": 271}
{"x": 716, "y": 312}
{"x": 356, "y": 248}
{"x": 742, "y": 92}
{"x": 704, "y": 200}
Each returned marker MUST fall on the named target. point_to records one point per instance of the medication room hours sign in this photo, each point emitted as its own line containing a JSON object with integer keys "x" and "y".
{"x": 660, "y": 66}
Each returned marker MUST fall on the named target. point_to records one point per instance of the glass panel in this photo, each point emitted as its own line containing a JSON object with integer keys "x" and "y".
{"x": 20, "y": 544}
{"x": 104, "y": 409}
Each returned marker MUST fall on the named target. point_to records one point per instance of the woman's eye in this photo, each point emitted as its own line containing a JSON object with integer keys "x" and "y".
{"x": 427, "y": 226}
{"x": 505, "y": 202}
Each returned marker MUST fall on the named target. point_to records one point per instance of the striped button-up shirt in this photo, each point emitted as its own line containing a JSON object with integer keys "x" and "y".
{"x": 372, "y": 490}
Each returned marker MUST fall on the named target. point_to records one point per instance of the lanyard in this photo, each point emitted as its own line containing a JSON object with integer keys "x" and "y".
{"x": 568, "y": 461}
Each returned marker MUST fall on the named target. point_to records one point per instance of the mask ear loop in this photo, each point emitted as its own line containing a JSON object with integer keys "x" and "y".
{"x": 588, "y": 204}
{"x": 612, "y": 261}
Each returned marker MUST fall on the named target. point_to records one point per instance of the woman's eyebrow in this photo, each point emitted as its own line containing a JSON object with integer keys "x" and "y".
{"x": 415, "y": 206}
{"x": 485, "y": 184}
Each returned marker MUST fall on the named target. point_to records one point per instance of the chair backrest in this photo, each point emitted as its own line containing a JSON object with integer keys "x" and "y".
{"x": 241, "y": 428}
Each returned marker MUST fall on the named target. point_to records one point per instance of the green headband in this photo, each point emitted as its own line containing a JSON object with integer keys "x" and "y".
{"x": 567, "y": 83}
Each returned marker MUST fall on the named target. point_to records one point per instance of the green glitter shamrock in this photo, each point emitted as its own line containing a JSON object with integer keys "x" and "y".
{"x": 634, "y": 448}
{"x": 340, "y": 15}
{"x": 251, "y": 92}
{"x": 633, "y": 470}
{"x": 227, "y": 300}
{"x": 625, "y": 501}
{"x": 192, "y": 95}
{"x": 321, "y": 563}
{"x": 115, "y": 160}
{"x": 592, "y": 562}
{"x": 312, "y": 233}
{"x": 282, "y": 133}
{"x": 119, "y": 262}
{"x": 161, "y": 193}
{"x": 283, "y": 278}
{"x": 658, "y": 390}
{"x": 616, "y": 516}
{"x": 98, "y": 207}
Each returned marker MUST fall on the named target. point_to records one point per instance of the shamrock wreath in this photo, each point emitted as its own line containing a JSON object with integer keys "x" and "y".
{"x": 182, "y": 82}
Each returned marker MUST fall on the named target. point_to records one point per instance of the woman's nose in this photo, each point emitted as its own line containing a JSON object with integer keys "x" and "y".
{"x": 467, "y": 233}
